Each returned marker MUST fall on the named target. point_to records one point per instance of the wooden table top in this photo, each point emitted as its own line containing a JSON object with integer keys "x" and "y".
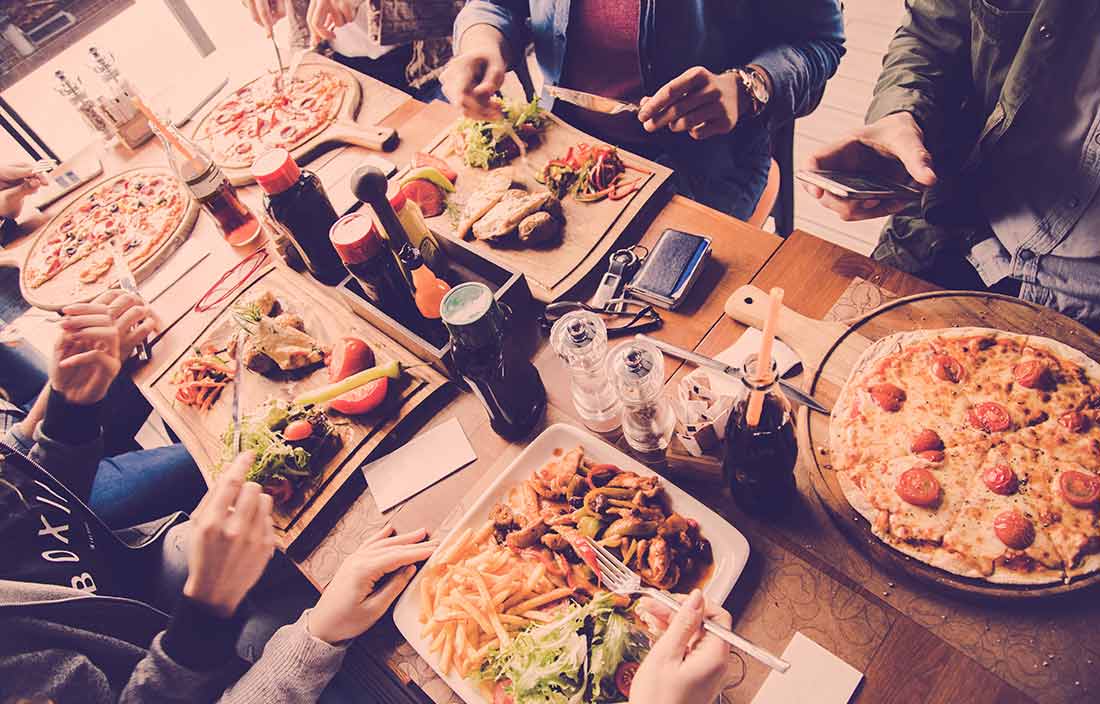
{"x": 802, "y": 575}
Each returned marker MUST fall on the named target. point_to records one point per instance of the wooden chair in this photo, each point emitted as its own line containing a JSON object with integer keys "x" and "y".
{"x": 783, "y": 163}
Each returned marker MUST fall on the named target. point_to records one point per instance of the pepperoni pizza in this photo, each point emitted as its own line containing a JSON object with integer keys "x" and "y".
{"x": 269, "y": 113}
{"x": 976, "y": 451}
{"x": 141, "y": 209}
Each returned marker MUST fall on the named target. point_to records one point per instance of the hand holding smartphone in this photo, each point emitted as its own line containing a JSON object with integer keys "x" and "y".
{"x": 859, "y": 186}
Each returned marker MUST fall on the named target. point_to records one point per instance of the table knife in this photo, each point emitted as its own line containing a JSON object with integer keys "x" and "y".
{"x": 729, "y": 370}
{"x": 128, "y": 283}
{"x": 279, "y": 60}
{"x": 238, "y": 375}
{"x": 591, "y": 101}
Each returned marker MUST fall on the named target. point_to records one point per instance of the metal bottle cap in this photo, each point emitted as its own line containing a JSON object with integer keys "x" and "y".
{"x": 472, "y": 315}
{"x": 636, "y": 369}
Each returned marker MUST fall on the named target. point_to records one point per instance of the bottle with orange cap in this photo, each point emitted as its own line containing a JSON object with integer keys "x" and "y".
{"x": 295, "y": 200}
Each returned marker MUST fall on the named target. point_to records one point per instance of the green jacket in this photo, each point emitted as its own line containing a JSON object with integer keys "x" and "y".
{"x": 963, "y": 68}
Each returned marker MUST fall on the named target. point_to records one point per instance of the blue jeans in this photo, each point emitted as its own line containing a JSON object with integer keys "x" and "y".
{"x": 132, "y": 486}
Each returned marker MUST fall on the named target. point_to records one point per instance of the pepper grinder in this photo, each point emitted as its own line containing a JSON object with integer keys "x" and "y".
{"x": 369, "y": 185}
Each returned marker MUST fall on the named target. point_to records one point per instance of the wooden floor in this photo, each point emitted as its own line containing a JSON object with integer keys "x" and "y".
{"x": 870, "y": 25}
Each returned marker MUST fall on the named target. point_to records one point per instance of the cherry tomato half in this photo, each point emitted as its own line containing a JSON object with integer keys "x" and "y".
{"x": 990, "y": 417}
{"x": 947, "y": 368}
{"x": 888, "y": 396}
{"x": 926, "y": 440}
{"x": 1014, "y": 530}
{"x": 349, "y": 356}
{"x": 1080, "y": 489}
{"x": 298, "y": 430}
{"x": 918, "y": 486}
{"x": 624, "y": 677}
{"x": 1000, "y": 479}
{"x": 362, "y": 400}
{"x": 1074, "y": 421}
{"x": 500, "y": 694}
{"x": 1032, "y": 374}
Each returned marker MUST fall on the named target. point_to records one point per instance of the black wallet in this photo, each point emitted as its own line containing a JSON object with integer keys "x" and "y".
{"x": 669, "y": 271}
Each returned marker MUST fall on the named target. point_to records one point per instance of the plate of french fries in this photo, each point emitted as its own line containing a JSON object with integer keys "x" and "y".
{"x": 478, "y": 592}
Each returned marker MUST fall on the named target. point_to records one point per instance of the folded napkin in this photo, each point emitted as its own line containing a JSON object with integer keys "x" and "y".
{"x": 816, "y": 675}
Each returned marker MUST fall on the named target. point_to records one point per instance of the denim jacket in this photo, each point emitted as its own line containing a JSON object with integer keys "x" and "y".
{"x": 964, "y": 69}
{"x": 798, "y": 42}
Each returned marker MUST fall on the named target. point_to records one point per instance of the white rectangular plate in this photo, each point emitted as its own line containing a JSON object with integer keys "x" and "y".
{"x": 731, "y": 550}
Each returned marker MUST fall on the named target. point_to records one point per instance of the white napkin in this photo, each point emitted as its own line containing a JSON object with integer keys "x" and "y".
{"x": 420, "y": 463}
{"x": 816, "y": 675}
{"x": 735, "y": 355}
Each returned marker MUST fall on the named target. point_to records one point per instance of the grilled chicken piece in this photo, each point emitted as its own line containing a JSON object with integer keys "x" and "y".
{"x": 528, "y": 535}
{"x": 489, "y": 192}
{"x": 291, "y": 320}
{"x": 505, "y": 217}
{"x": 538, "y": 228}
{"x": 265, "y": 302}
{"x": 288, "y": 347}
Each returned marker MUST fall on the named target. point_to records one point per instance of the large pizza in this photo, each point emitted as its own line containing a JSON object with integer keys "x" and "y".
{"x": 141, "y": 210}
{"x": 269, "y": 113}
{"x": 976, "y": 451}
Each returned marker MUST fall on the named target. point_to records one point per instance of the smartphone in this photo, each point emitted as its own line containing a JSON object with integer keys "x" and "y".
{"x": 671, "y": 269}
{"x": 856, "y": 186}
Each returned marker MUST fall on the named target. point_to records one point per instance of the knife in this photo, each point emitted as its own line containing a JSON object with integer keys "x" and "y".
{"x": 279, "y": 59}
{"x": 238, "y": 374}
{"x": 128, "y": 283}
{"x": 591, "y": 101}
{"x": 735, "y": 372}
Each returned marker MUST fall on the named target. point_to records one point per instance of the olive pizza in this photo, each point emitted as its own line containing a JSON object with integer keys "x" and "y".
{"x": 976, "y": 451}
{"x": 140, "y": 209}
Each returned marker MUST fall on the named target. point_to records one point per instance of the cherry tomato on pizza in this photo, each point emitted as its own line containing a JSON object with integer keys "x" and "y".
{"x": 990, "y": 417}
{"x": 1074, "y": 421}
{"x": 1032, "y": 373}
{"x": 1080, "y": 489}
{"x": 1000, "y": 479}
{"x": 926, "y": 440}
{"x": 1014, "y": 529}
{"x": 947, "y": 368}
{"x": 918, "y": 486}
{"x": 889, "y": 397}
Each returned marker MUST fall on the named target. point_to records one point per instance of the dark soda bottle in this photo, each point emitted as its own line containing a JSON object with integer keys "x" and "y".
{"x": 509, "y": 387}
{"x": 760, "y": 460}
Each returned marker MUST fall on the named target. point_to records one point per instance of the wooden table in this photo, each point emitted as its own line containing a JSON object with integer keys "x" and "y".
{"x": 802, "y": 574}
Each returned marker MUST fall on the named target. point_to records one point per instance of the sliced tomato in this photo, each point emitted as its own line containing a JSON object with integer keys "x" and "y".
{"x": 1080, "y": 489}
{"x": 350, "y": 356}
{"x": 1000, "y": 479}
{"x": 585, "y": 551}
{"x": 1032, "y": 374}
{"x": 427, "y": 195}
{"x": 421, "y": 159}
{"x": 1074, "y": 422}
{"x": 1014, "y": 530}
{"x": 362, "y": 400}
{"x": 926, "y": 440}
{"x": 889, "y": 397}
{"x": 298, "y": 430}
{"x": 624, "y": 677}
{"x": 947, "y": 368}
{"x": 918, "y": 486}
{"x": 990, "y": 417}
{"x": 500, "y": 693}
{"x": 279, "y": 488}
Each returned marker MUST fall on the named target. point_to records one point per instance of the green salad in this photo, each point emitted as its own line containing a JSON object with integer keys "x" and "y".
{"x": 586, "y": 654}
{"x": 487, "y": 144}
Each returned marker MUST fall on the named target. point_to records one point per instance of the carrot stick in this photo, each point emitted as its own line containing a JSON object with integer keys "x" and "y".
{"x": 764, "y": 359}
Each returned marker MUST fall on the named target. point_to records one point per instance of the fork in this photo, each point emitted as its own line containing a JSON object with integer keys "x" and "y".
{"x": 623, "y": 580}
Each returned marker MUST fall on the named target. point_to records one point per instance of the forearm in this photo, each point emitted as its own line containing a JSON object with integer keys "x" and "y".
{"x": 36, "y": 414}
{"x": 497, "y": 24}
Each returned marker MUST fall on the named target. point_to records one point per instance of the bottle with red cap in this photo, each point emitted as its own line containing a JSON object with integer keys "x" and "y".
{"x": 295, "y": 200}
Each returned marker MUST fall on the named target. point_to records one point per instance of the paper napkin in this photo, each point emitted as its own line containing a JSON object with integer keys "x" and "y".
{"x": 816, "y": 675}
{"x": 749, "y": 344}
{"x": 420, "y": 463}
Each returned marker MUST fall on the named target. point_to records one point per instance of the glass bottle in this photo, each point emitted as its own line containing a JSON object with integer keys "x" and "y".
{"x": 508, "y": 386}
{"x": 131, "y": 125}
{"x": 209, "y": 185}
{"x": 580, "y": 339}
{"x": 296, "y": 200}
{"x": 428, "y": 289}
{"x": 419, "y": 234}
{"x": 73, "y": 91}
{"x": 760, "y": 460}
{"x": 636, "y": 369}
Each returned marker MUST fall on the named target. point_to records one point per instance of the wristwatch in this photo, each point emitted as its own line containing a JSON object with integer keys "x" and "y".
{"x": 756, "y": 88}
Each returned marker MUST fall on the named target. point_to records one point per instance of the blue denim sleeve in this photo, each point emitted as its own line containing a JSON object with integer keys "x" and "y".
{"x": 506, "y": 15}
{"x": 807, "y": 41}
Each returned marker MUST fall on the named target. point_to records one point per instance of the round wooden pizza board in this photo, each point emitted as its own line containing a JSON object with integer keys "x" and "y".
{"x": 65, "y": 288}
{"x": 829, "y": 352}
{"x": 343, "y": 129}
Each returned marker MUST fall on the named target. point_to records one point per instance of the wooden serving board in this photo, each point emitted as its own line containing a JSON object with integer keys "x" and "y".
{"x": 65, "y": 288}
{"x": 829, "y": 352}
{"x": 342, "y": 129}
{"x": 591, "y": 229}
{"x": 328, "y": 321}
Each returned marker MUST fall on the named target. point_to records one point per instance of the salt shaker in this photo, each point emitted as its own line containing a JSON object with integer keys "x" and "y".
{"x": 580, "y": 339}
{"x": 636, "y": 370}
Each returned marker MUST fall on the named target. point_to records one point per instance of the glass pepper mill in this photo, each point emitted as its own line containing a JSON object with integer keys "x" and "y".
{"x": 580, "y": 339}
{"x": 760, "y": 459}
{"x": 636, "y": 370}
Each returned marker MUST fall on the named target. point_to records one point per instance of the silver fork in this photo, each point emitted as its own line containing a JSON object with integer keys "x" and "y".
{"x": 623, "y": 580}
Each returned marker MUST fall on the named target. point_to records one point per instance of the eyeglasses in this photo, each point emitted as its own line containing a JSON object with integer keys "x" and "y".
{"x": 622, "y": 316}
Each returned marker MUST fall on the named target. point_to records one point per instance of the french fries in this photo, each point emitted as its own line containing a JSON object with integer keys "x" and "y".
{"x": 476, "y": 594}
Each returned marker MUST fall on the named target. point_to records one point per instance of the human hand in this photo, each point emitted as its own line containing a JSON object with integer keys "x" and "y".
{"x": 349, "y": 606}
{"x": 472, "y": 77}
{"x": 324, "y": 16}
{"x": 266, "y": 12}
{"x": 232, "y": 540}
{"x": 702, "y": 103}
{"x": 17, "y": 181}
{"x": 86, "y": 356}
{"x": 686, "y": 664}
{"x": 134, "y": 319}
{"x": 891, "y": 147}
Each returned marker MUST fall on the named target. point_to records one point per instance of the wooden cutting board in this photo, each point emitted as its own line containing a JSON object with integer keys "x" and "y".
{"x": 829, "y": 352}
{"x": 591, "y": 229}
{"x": 341, "y": 129}
{"x": 327, "y": 320}
{"x": 65, "y": 288}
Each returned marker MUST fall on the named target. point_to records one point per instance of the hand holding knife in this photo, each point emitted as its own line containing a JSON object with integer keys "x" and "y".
{"x": 128, "y": 283}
